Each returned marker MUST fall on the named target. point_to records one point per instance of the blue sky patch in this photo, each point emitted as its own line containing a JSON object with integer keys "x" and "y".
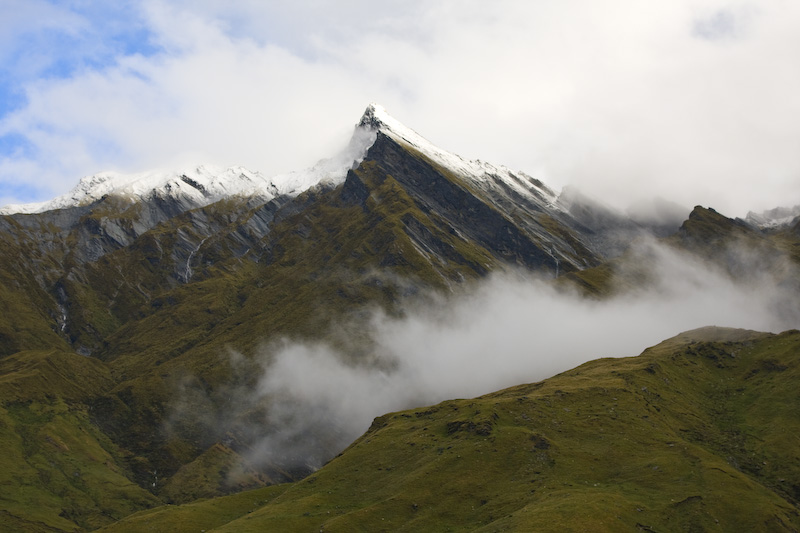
{"x": 100, "y": 34}
{"x": 16, "y": 145}
{"x": 22, "y": 192}
{"x": 11, "y": 95}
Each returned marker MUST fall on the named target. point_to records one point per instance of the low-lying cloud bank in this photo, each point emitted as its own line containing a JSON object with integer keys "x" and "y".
{"x": 511, "y": 329}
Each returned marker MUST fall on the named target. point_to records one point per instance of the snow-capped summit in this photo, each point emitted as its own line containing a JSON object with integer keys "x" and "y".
{"x": 376, "y": 117}
{"x": 202, "y": 185}
{"x": 483, "y": 174}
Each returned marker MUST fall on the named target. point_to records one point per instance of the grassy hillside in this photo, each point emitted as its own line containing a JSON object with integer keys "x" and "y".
{"x": 701, "y": 432}
{"x": 156, "y": 298}
{"x": 58, "y": 471}
{"x": 330, "y": 257}
{"x": 334, "y": 255}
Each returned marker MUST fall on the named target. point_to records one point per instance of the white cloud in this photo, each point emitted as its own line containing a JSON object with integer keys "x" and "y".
{"x": 694, "y": 101}
{"x": 505, "y": 332}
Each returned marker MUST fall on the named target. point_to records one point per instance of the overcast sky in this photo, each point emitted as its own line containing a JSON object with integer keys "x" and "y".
{"x": 695, "y": 101}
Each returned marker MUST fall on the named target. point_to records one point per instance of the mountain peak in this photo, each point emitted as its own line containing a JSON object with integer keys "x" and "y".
{"x": 203, "y": 185}
{"x": 373, "y": 117}
{"x": 481, "y": 173}
{"x": 376, "y": 118}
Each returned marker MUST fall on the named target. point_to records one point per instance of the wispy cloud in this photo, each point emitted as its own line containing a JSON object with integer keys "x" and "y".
{"x": 693, "y": 101}
{"x": 42, "y": 39}
{"x": 312, "y": 399}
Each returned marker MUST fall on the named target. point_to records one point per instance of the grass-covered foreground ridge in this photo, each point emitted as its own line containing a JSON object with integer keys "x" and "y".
{"x": 701, "y": 432}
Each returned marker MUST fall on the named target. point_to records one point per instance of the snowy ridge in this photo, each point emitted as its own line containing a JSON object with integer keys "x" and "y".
{"x": 205, "y": 184}
{"x": 201, "y": 185}
{"x": 773, "y": 218}
{"x": 481, "y": 173}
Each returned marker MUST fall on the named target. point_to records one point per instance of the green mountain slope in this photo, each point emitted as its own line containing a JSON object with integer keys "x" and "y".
{"x": 58, "y": 471}
{"x": 130, "y": 328}
{"x": 165, "y": 301}
{"x": 158, "y": 296}
{"x": 698, "y": 433}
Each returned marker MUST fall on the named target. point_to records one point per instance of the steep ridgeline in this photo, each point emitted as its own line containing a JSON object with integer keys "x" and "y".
{"x": 145, "y": 285}
{"x": 87, "y": 263}
{"x": 511, "y": 217}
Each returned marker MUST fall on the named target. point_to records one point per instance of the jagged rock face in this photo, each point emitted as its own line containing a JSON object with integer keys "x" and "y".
{"x": 511, "y": 227}
{"x": 117, "y": 254}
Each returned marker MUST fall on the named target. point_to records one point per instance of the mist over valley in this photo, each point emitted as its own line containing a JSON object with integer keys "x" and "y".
{"x": 214, "y": 331}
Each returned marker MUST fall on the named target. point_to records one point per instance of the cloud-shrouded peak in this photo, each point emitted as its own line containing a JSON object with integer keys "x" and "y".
{"x": 480, "y": 173}
{"x": 693, "y": 100}
{"x": 205, "y": 184}
{"x": 376, "y": 118}
{"x": 774, "y": 218}
{"x": 372, "y": 117}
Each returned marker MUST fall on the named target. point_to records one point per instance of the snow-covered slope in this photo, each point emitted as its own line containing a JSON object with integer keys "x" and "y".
{"x": 483, "y": 174}
{"x": 205, "y": 184}
{"x": 201, "y": 185}
{"x": 773, "y": 218}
